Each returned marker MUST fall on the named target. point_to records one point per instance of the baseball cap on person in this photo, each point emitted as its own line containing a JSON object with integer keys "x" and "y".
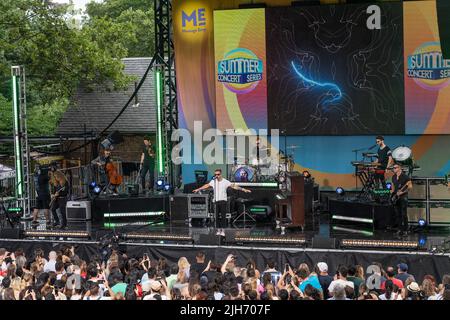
{"x": 323, "y": 267}
{"x": 403, "y": 267}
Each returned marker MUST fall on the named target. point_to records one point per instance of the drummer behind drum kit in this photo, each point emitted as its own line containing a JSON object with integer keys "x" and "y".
{"x": 262, "y": 170}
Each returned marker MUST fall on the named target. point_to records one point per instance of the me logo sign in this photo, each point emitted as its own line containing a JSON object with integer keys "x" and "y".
{"x": 194, "y": 21}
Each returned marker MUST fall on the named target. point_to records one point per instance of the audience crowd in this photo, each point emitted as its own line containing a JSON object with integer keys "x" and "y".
{"x": 63, "y": 275}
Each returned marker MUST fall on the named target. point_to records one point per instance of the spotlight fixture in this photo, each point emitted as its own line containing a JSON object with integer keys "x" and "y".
{"x": 422, "y": 222}
{"x": 394, "y": 244}
{"x": 167, "y": 187}
{"x": 93, "y": 184}
{"x": 340, "y": 191}
{"x": 97, "y": 190}
{"x": 389, "y": 186}
{"x": 58, "y": 234}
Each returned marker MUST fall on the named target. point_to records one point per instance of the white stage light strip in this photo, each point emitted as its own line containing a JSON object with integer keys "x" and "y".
{"x": 132, "y": 214}
{"x": 352, "y": 219}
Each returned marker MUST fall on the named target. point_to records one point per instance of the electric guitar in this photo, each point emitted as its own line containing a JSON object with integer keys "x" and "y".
{"x": 55, "y": 196}
{"x": 395, "y": 196}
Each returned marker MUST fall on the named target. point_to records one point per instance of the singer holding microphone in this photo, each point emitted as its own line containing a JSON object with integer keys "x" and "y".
{"x": 384, "y": 161}
{"x": 220, "y": 186}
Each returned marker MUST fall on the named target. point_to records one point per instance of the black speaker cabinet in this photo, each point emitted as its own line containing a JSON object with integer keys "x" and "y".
{"x": 11, "y": 233}
{"x": 324, "y": 243}
{"x": 179, "y": 208}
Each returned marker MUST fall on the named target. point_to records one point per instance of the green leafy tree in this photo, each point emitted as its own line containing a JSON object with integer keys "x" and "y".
{"x": 138, "y": 14}
{"x": 58, "y": 56}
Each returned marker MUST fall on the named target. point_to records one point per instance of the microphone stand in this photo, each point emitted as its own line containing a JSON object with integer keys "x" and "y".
{"x": 215, "y": 204}
{"x": 356, "y": 169}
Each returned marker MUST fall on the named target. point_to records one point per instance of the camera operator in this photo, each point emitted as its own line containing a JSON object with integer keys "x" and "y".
{"x": 42, "y": 186}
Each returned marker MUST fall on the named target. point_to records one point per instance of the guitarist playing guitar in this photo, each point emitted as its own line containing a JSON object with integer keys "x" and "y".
{"x": 59, "y": 199}
{"x": 399, "y": 196}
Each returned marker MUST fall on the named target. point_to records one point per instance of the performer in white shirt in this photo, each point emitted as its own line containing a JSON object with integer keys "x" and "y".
{"x": 220, "y": 186}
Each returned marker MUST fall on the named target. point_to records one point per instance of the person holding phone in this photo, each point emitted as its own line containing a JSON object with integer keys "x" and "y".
{"x": 274, "y": 273}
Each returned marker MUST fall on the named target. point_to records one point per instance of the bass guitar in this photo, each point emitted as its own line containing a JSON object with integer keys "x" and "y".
{"x": 395, "y": 197}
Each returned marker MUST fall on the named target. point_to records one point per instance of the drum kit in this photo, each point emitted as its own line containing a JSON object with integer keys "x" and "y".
{"x": 264, "y": 169}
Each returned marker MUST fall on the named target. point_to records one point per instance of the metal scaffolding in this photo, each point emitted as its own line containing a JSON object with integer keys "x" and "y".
{"x": 165, "y": 63}
{"x": 21, "y": 148}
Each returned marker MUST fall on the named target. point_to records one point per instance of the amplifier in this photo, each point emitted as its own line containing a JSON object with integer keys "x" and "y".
{"x": 417, "y": 210}
{"x": 179, "y": 208}
{"x": 439, "y": 190}
{"x": 439, "y": 213}
{"x": 198, "y": 206}
{"x": 419, "y": 190}
{"x": 78, "y": 210}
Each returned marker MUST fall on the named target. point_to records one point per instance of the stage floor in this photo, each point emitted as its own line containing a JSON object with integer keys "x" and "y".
{"x": 318, "y": 226}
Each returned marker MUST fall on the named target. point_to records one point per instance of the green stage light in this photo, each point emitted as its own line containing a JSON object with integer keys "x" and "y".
{"x": 15, "y": 210}
{"x": 159, "y": 108}
{"x": 17, "y": 142}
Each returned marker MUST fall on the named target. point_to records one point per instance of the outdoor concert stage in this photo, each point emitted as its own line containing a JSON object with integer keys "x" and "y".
{"x": 323, "y": 238}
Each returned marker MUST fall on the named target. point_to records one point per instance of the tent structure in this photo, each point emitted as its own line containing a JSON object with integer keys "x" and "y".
{"x": 6, "y": 172}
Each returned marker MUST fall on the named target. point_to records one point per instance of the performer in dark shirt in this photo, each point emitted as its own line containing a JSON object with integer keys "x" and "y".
{"x": 42, "y": 187}
{"x": 59, "y": 199}
{"x": 147, "y": 163}
{"x": 384, "y": 161}
{"x": 401, "y": 185}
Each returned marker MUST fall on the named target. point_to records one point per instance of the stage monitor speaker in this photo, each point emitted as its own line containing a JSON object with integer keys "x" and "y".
{"x": 11, "y": 233}
{"x": 443, "y": 14}
{"x": 209, "y": 239}
{"x": 179, "y": 208}
{"x": 323, "y": 243}
{"x": 133, "y": 190}
{"x": 78, "y": 210}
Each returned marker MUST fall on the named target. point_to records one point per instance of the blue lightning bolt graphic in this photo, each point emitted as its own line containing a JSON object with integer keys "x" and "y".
{"x": 335, "y": 96}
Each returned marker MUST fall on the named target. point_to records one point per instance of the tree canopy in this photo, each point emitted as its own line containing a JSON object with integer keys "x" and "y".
{"x": 59, "y": 53}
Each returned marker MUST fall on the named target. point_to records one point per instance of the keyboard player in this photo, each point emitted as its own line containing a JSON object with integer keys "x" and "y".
{"x": 383, "y": 162}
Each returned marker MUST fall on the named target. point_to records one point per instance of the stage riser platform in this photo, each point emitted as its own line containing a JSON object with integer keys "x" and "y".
{"x": 381, "y": 214}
